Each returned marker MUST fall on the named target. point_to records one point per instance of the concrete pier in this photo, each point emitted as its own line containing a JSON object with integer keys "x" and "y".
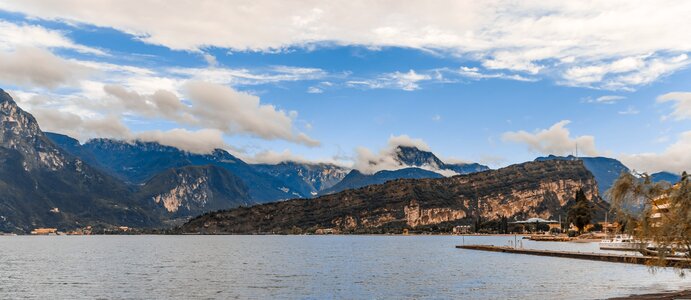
{"x": 641, "y": 260}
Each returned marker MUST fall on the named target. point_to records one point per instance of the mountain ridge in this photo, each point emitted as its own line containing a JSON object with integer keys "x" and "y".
{"x": 543, "y": 188}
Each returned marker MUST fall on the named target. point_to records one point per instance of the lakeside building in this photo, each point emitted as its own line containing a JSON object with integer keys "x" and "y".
{"x": 326, "y": 231}
{"x": 661, "y": 206}
{"x": 462, "y": 229}
{"x": 44, "y": 231}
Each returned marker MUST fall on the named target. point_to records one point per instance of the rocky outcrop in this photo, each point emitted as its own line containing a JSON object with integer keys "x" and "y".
{"x": 606, "y": 170}
{"x": 520, "y": 191}
{"x": 193, "y": 190}
{"x": 416, "y": 216}
{"x": 19, "y": 131}
{"x": 414, "y": 157}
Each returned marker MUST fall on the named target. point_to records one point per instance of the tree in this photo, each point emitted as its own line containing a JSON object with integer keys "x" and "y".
{"x": 654, "y": 212}
{"x": 581, "y": 212}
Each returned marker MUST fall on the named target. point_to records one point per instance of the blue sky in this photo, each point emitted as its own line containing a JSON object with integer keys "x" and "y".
{"x": 303, "y": 82}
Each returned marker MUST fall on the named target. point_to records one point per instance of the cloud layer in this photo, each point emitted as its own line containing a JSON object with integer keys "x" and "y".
{"x": 613, "y": 44}
{"x": 681, "y": 102}
{"x": 555, "y": 140}
{"x": 211, "y": 106}
{"x": 675, "y": 158}
{"x": 39, "y": 67}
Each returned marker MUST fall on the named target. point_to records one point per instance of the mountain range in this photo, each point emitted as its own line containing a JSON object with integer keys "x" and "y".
{"x": 52, "y": 180}
{"x": 135, "y": 162}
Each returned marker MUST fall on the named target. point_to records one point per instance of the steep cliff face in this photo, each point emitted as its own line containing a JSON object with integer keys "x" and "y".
{"x": 606, "y": 170}
{"x": 19, "y": 131}
{"x": 519, "y": 191}
{"x": 192, "y": 190}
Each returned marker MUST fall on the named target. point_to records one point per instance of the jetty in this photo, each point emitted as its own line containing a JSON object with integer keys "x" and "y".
{"x": 607, "y": 257}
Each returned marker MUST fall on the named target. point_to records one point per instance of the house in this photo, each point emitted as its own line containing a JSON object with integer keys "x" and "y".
{"x": 44, "y": 231}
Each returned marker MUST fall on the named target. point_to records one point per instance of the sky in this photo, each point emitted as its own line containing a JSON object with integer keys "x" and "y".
{"x": 494, "y": 82}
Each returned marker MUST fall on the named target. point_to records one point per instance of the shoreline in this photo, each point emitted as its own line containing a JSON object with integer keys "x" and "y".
{"x": 670, "y": 295}
{"x": 271, "y": 234}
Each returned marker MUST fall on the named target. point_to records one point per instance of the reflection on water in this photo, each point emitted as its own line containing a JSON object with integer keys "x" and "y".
{"x": 315, "y": 267}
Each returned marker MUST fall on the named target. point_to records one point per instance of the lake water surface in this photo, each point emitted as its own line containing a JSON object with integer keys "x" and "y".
{"x": 308, "y": 267}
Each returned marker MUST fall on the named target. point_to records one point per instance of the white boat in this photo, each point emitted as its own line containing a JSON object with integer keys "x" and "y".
{"x": 623, "y": 242}
{"x": 669, "y": 251}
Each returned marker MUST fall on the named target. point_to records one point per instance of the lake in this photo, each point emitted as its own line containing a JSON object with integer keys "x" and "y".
{"x": 308, "y": 267}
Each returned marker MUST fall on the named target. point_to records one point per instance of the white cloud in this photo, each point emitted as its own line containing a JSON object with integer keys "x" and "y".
{"x": 199, "y": 141}
{"x": 210, "y": 60}
{"x": 369, "y": 162}
{"x": 611, "y": 44}
{"x": 314, "y": 90}
{"x": 624, "y": 76}
{"x": 629, "y": 111}
{"x": 232, "y": 111}
{"x": 236, "y": 77}
{"x": 607, "y": 99}
{"x": 404, "y": 81}
{"x": 161, "y": 103}
{"x": 436, "y": 118}
{"x": 211, "y": 106}
{"x": 79, "y": 127}
{"x": 274, "y": 157}
{"x": 407, "y": 141}
{"x": 492, "y": 160}
{"x": 555, "y": 140}
{"x": 14, "y": 36}
{"x": 675, "y": 158}
{"x": 476, "y": 74}
{"x": 38, "y": 67}
{"x": 408, "y": 81}
{"x": 681, "y": 102}
{"x": 110, "y": 126}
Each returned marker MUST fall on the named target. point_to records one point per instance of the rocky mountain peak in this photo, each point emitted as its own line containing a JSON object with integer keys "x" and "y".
{"x": 5, "y": 97}
{"x": 414, "y": 157}
{"x": 19, "y": 131}
{"x": 221, "y": 155}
